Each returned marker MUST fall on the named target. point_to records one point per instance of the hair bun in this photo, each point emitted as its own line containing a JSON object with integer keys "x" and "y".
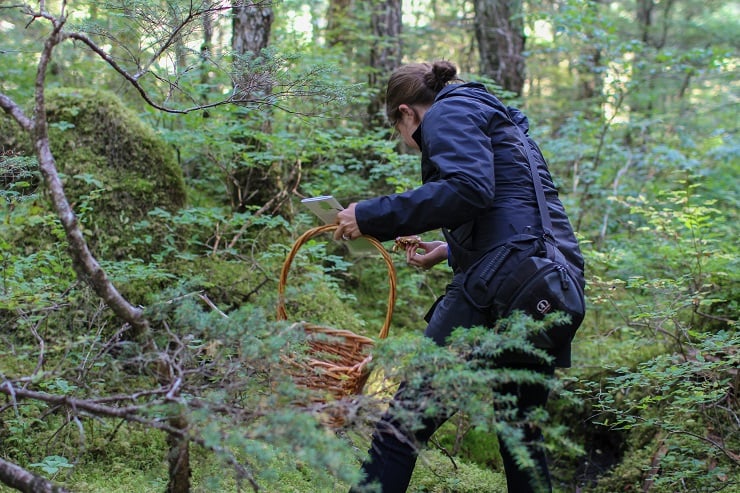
{"x": 442, "y": 72}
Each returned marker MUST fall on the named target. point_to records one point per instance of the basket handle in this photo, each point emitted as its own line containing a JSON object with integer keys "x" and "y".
{"x": 282, "y": 315}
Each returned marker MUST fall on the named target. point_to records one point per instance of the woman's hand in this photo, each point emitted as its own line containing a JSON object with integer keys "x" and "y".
{"x": 347, "y": 228}
{"x": 434, "y": 252}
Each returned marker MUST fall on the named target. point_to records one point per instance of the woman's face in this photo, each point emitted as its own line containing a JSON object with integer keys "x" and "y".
{"x": 407, "y": 123}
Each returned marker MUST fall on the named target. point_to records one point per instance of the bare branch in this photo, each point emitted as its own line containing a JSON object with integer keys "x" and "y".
{"x": 15, "y": 111}
{"x": 133, "y": 79}
{"x": 210, "y": 303}
{"x": 40, "y": 340}
{"x": 132, "y": 413}
{"x": 129, "y": 413}
{"x": 84, "y": 263}
{"x": 86, "y": 266}
{"x": 22, "y": 480}
{"x": 174, "y": 35}
{"x": 244, "y": 86}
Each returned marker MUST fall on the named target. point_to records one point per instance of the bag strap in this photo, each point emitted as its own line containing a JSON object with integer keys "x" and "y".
{"x": 547, "y": 232}
{"x": 553, "y": 252}
{"x": 537, "y": 181}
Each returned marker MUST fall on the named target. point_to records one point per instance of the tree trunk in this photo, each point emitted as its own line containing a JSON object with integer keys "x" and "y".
{"x": 590, "y": 70}
{"x": 18, "y": 478}
{"x": 641, "y": 104}
{"x": 645, "y": 19}
{"x": 178, "y": 458}
{"x": 385, "y": 54}
{"x": 251, "y": 25}
{"x": 252, "y": 183}
{"x": 206, "y": 52}
{"x": 338, "y": 23}
{"x": 499, "y": 31}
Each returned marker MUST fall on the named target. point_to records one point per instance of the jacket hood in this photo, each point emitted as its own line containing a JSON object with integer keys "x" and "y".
{"x": 478, "y": 91}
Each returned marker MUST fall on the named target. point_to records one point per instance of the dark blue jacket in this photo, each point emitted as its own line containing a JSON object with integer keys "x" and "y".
{"x": 477, "y": 183}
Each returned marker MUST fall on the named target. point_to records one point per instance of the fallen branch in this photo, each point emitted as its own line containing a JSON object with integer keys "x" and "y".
{"x": 129, "y": 413}
{"x": 20, "y": 479}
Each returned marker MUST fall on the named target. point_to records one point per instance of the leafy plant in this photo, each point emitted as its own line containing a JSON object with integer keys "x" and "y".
{"x": 679, "y": 410}
{"x": 52, "y": 464}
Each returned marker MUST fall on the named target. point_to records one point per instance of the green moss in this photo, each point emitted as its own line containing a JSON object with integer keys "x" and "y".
{"x": 12, "y": 137}
{"x": 481, "y": 447}
{"x": 115, "y": 168}
{"x": 435, "y": 473}
{"x": 226, "y": 282}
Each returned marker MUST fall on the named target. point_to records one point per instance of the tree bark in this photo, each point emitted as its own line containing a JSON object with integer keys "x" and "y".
{"x": 589, "y": 69}
{"x": 385, "y": 54}
{"x": 178, "y": 458}
{"x": 252, "y": 23}
{"x": 499, "y": 31}
{"x": 206, "y": 50}
{"x": 253, "y": 184}
{"x": 251, "y": 26}
{"x": 22, "y": 480}
{"x": 338, "y": 23}
{"x": 643, "y": 106}
{"x": 645, "y": 19}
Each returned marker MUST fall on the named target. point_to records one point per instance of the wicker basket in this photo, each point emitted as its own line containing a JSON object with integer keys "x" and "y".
{"x": 337, "y": 362}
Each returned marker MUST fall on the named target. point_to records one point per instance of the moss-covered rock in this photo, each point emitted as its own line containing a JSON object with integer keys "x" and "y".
{"x": 115, "y": 168}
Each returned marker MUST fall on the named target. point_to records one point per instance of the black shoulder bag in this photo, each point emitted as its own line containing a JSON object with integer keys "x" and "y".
{"x": 529, "y": 274}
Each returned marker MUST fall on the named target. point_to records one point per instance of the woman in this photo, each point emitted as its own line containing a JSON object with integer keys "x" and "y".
{"x": 477, "y": 188}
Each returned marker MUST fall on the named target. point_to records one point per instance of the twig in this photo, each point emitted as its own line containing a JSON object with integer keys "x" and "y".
{"x": 130, "y": 413}
{"x": 733, "y": 458}
{"x": 445, "y": 452}
{"x": 11, "y": 108}
{"x": 175, "y": 386}
{"x": 211, "y": 304}
{"x": 713, "y": 317}
{"x": 295, "y": 178}
{"x": 40, "y": 362}
{"x": 109, "y": 343}
{"x": 11, "y": 393}
{"x": 259, "y": 286}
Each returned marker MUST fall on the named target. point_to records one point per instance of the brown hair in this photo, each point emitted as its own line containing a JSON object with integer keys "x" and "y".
{"x": 417, "y": 83}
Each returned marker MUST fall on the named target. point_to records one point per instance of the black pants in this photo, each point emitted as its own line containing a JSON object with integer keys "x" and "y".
{"x": 393, "y": 452}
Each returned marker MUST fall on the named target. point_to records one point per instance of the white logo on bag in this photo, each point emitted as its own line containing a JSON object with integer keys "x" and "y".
{"x": 543, "y": 306}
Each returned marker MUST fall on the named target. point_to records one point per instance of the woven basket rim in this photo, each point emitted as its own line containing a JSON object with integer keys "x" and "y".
{"x": 303, "y": 239}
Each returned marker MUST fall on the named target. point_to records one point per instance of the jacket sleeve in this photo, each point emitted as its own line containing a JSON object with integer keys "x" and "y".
{"x": 457, "y": 168}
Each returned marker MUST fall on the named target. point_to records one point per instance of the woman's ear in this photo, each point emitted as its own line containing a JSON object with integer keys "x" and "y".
{"x": 405, "y": 109}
